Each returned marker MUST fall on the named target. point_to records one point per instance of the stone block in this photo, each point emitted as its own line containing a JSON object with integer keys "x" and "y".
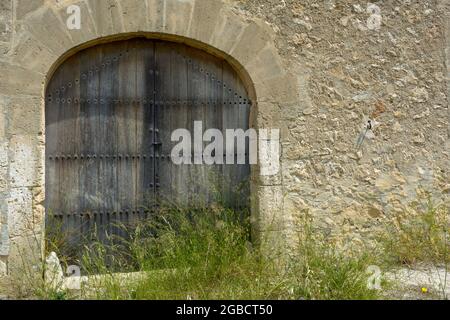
{"x": 267, "y": 212}
{"x": 178, "y": 16}
{"x": 282, "y": 89}
{"x": 274, "y": 245}
{"x": 156, "y": 15}
{"x": 6, "y": 20}
{"x": 134, "y": 15}
{"x": 25, "y": 116}
{"x": 17, "y": 80}
{"x": 20, "y": 212}
{"x": 204, "y": 19}
{"x": 254, "y": 38}
{"x": 25, "y": 258}
{"x": 107, "y": 16}
{"x": 3, "y": 268}
{"x": 4, "y": 235}
{"x": 38, "y": 204}
{"x": 52, "y": 32}
{"x": 87, "y": 29}
{"x": 24, "y": 7}
{"x": 31, "y": 54}
{"x": 228, "y": 31}
{"x": 5, "y": 48}
{"x": 25, "y": 161}
{"x": 268, "y": 115}
{"x": 267, "y": 64}
{"x": 4, "y": 168}
{"x": 3, "y": 109}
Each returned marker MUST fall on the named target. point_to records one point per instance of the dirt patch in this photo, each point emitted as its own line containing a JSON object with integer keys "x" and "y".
{"x": 419, "y": 283}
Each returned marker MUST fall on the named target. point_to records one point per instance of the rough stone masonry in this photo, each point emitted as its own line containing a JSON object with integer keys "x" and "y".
{"x": 398, "y": 76}
{"x": 319, "y": 71}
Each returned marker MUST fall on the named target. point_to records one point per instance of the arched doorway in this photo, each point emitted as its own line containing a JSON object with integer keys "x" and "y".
{"x": 110, "y": 113}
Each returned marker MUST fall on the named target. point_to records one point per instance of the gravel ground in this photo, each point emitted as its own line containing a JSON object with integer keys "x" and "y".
{"x": 407, "y": 284}
{"x": 419, "y": 283}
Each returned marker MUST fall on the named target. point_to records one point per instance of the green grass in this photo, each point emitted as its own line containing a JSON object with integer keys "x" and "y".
{"x": 321, "y": 271}
{"x": 421, "y": 236}
{"x": 206, "y": 253}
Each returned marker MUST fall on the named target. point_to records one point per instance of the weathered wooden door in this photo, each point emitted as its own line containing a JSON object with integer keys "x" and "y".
{"x": 110, "y": 113}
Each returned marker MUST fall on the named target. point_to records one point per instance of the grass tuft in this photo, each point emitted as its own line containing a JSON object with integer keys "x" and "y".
{"x": 419, "y": 236}
{"x": 206, "y": 253}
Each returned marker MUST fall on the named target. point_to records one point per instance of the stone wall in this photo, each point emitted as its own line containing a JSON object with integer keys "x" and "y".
{"x": 348, "y": 73}
{"x": 315, "y": 68}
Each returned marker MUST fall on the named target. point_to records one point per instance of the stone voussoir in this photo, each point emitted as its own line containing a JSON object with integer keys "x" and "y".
{"x": 31, "y": 54}
{"x": 178, "y": 15}
{"x": 157, "y": 15}
{"x": 45, "y": 25}
{"x": 205, "y": 16}
{"x": 266, "y": 65}
{"x": 25, "y": 7}
{"x": 281, "y": 89}
{"x": 107, "y": 16}
{"x": 228, "y": 30}
{"x": 254, "y": 38}
{"x": 134, "y": 15}
{"x": 87, "y": 29}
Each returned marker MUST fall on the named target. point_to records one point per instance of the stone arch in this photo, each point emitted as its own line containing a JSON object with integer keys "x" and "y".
{"x": 43, "y": 41}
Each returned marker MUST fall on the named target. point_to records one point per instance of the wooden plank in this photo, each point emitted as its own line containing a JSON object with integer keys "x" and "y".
{"x": 230, "y": 121}
{"x": 197, "y": 95}
{"x": 126, "y": 138}
{"x": 163, "y": 175}
{"x": 68, "y": 170}
{"x": 145, "y": 84}
{"x": 213, "y": 69}
{"x": 243, "y": 120}
{"x": 179, "y": 116}
{"x": 51, "y": 169}
{"x": 108, "y": 131}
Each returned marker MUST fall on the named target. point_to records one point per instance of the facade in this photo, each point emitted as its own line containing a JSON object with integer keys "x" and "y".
{"x": 359, "y": 92}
